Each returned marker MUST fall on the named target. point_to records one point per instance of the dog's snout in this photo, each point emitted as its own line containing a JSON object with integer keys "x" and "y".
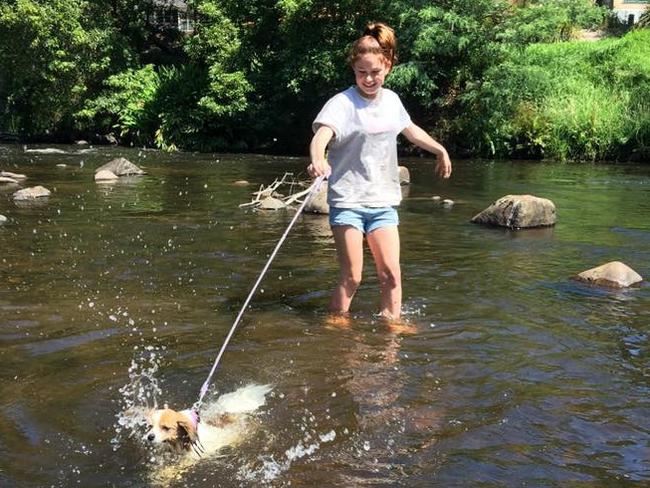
{"x": 151, "y": 437}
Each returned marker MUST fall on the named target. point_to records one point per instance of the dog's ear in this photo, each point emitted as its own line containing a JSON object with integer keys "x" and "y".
{"x": 187, "y": 433}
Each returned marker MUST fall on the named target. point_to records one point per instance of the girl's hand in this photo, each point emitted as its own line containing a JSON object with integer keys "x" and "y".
{"x": 443, "y": 166}
{"x": 319, "y": 167}
{"x": 421, "y": 139}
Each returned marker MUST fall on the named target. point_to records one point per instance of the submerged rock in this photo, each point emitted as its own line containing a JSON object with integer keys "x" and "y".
{"x": 448, "y": 203}
{"x": 32, "y": 193}
{"x": 404, "y": 176}
{"x": 14, "y": 176}
{"x": 518, "y": 212}
{"x": 240, "y": 183}
{"x": 121, "y": 167}
{"x": 613, "y": 274}
{"x": 318, "y": 204}
{"x": 48, "y": 150}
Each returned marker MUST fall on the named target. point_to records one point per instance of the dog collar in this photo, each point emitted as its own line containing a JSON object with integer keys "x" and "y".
{"x": 194, "y": 415}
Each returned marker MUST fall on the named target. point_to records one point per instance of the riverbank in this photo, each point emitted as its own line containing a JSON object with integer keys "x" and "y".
{"x": 490, "y": 79}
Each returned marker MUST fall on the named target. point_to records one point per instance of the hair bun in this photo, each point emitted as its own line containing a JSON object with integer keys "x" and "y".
{"x": 373, "y": 30}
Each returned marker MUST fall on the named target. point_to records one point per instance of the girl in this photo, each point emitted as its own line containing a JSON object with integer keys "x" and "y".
{"x": 361, "y": 125}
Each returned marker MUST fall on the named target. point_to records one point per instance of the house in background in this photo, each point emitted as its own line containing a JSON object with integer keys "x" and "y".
{"x": 628, "y": 11}
{"x": 173, "y": 14}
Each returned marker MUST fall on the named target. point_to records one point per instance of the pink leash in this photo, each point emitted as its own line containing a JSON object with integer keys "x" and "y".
{"x": 204, "y": 389}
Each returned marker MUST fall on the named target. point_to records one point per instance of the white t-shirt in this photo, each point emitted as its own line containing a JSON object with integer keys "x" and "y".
{"x": 363, "y": 152}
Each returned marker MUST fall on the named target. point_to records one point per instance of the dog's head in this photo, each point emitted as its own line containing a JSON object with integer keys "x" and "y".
{"x": 177, "y": 430}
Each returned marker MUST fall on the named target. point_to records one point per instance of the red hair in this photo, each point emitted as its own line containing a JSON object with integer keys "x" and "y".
{"x": 377, "y": 38}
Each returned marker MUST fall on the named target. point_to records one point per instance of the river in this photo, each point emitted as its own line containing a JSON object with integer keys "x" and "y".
{"x": 111, "y": 295}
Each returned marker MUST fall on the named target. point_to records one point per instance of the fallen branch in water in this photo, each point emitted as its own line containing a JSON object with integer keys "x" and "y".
{"x": 272, "y": 196}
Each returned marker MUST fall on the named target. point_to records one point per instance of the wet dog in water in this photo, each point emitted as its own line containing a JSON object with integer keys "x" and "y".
{"x": 177, "y": 430}
{"x": 220, "y": 424}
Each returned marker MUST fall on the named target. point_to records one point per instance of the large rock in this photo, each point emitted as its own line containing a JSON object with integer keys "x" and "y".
{"x": 518, "y": 212}
{"x": 318, "y": 204}
{"x": 121, "y": 167}
{"x": 31, "y": 193}
{"x": 613, "y": 274}
{"x": 404, "y": 175}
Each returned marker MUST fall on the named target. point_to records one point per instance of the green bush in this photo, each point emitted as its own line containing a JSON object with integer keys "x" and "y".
{"x": 571, "y": 100}
{"x": 550, "y": 21}
{"x": 126, "y": 105}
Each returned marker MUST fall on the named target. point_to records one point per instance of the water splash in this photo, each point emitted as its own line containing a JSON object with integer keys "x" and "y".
{"x": 269, "y": 469}
{"x": 138, "y": 395}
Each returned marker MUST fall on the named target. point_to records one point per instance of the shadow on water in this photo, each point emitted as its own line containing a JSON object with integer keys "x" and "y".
{"x": 119, "y": 295}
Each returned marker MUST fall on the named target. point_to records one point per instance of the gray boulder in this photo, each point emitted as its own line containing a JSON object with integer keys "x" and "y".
{"x": 613, "y": 274}
{"x": 121, "y": 167}
{"x": 518, "y": 212}
{"x": 318, "y": 204}
{"x": 31, "y": 193}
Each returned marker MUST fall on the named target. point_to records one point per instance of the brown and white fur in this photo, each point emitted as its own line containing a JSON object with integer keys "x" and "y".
{"x": 222, "y": 423}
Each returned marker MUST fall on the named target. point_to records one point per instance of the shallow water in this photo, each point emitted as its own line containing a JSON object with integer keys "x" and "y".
{"x": 516, "y": 374}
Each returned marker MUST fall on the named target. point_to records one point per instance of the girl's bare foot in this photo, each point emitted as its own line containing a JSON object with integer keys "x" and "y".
{"x": 338, "y": 320}
{"x": 398, "y": 326}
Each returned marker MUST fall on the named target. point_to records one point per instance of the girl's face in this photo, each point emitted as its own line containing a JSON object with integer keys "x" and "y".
{"x": 370, "y": 70}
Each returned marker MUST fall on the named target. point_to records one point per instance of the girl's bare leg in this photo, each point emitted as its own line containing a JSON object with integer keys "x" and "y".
{"x": 384, "y": 245}
{"x": 349, "y": 251}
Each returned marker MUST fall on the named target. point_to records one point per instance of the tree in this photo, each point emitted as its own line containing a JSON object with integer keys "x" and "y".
{"x": 48, "y": 53}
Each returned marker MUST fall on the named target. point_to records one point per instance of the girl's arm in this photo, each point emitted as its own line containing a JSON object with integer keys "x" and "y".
{"x": 421, "y": 139}
{"x": 319, "y": 165}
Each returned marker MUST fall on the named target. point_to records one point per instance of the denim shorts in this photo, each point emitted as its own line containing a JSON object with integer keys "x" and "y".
{"x": 366, "y": 219}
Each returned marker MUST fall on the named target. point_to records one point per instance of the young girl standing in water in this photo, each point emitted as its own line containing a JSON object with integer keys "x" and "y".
{"x": 361, "y": 125}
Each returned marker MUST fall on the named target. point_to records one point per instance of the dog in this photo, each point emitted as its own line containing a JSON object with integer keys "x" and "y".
{"x": 177, "y": 430}
{"x": 193, "y": 436}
